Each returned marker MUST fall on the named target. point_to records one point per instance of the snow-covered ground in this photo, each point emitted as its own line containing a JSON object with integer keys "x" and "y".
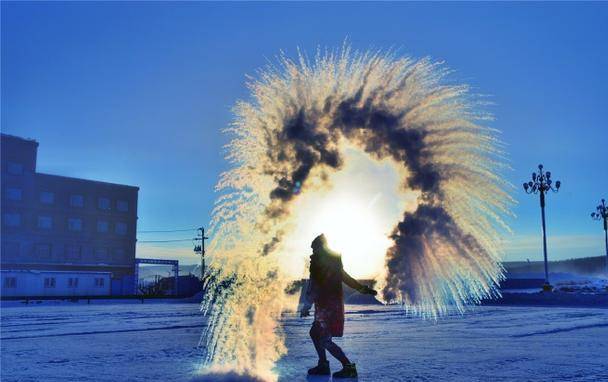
{"x": 159, "y": 342}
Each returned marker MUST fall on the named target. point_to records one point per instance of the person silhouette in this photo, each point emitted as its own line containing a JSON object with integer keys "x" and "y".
{"x": 325, "y": 292}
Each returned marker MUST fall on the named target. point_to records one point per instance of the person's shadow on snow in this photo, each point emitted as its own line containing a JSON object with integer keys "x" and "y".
{"x": 327, "y": 378}
{"x": 318, "y": 378}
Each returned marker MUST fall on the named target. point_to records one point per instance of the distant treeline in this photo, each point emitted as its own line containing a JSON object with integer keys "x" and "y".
{"x": 589, "y": 266}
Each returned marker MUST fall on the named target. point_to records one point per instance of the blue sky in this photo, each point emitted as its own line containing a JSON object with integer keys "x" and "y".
{"x": 138, "y": 93}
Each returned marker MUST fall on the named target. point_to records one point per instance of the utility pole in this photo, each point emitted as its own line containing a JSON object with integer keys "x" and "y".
{"x": 201, "y": 249}
{"x": 541, "y": 183}
{"x": 602, "y": 214}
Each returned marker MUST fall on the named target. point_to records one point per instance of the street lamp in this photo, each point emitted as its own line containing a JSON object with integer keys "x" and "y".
{"x": 541, "y": 183}
{"x": 602, "y": 214}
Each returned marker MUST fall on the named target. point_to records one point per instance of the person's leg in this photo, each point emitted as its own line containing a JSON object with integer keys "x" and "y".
{"x": 349, "y": 370}
{"x": 322, "y": 367}
{"x": 316, "y": 336}
{"x": 334, "y": 350}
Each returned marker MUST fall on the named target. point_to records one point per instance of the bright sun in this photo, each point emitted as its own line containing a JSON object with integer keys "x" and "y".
{"x": 356, "y": 215}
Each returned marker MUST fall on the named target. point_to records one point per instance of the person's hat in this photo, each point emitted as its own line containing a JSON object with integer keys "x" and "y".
{"x": 319, "y": 241}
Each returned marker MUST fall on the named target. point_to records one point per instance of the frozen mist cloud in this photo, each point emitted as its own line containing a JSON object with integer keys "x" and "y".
{"x": 291, "y": 134}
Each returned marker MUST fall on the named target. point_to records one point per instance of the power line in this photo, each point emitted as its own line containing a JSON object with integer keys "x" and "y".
{"x": 163, "y": 241}
{"x": 168, "y": 230}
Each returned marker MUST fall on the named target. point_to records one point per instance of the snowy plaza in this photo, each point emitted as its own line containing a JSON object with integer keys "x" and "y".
{"x": 129, "y": 341}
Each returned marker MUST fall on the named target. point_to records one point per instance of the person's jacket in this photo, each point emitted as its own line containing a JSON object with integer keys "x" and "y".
{"x": 326, "y": 277}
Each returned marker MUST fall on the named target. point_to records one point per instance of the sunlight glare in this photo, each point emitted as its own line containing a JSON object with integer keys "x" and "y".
{"x": 356, "y": 214}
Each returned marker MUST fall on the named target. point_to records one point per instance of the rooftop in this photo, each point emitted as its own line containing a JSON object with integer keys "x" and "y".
{"x": 86, "y": 180}
{"x": 33, "y": 141}
{"x": 28, "y": 140}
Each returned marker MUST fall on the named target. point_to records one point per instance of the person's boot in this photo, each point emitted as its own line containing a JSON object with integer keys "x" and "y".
{"x": 322, "y": 368}
{"x": 348, "y": 371}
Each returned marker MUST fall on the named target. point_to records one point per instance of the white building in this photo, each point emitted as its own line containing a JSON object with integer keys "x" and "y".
{"x": 55, "y": 283}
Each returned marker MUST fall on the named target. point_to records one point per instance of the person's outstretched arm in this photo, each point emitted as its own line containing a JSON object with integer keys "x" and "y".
{"x": 351, "y": 282}
{"x": 308, "y": 296}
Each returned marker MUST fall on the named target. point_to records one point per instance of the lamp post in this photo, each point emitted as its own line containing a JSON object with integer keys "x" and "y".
{"x": 602, "y": 214}
{"x": 541, "y": 183}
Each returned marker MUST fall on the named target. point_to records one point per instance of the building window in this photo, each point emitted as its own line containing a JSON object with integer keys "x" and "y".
{"x": 10, "y": 250}
{"x": 47, "y": 197}
{"x": 122, "y": 205}
{"x": 101, "y": 254}
{"x": 99, "y": 282}
{"x": 102, "y": 226}
{"x": 76, "y": 200}
{"x": 103, "y": 203}
{"x": 45, "y": 222}
{"x": 14, "y": 193}
{"x": 43, "y": 251}
{"x": 12, "y": 219}
{"x": 15, "y": 168}
{"x": 49, "y": 282}
{"x": 73, "y": 251}
{"x": 118, "y": 255}
{"x": 10, "y": 282}
{"x": 73, "y": 282}
{"x": 121, "y": 228}
{"x": 75, "y": 224}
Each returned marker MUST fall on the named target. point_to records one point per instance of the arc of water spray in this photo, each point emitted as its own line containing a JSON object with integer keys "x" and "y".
{"x": 444, "y": 254}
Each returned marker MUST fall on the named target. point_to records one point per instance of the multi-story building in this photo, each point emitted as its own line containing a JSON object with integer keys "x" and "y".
{"x": 59, "y": 228}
